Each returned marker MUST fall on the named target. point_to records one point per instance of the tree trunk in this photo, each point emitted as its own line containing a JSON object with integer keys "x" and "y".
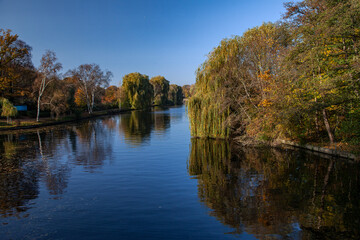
{"x": 88, "y": 103}
{"x": 92, "y": 100}
{"x": 88, "y": 106}
{"x": 327, "y": 125}
{"x": 87, "y": 97}
{"x": 38, "y": 108}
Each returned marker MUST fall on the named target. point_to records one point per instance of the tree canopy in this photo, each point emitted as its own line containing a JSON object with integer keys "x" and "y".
{"x": 232, "y": 85}
{"x": 175, "y": 95}
{"x": 47, "y": 73}
{"x": 8, "y": 110}
{"x": 137, "y": 90}
{"x": 90, "y": 79}
{"x": 85, "y": 87}
{"x": 16, "y": 68}
{"x": 297, "y": 79}
{"x": 161, "y": 90}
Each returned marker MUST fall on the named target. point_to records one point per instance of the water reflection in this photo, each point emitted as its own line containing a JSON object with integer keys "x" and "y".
{"x": 18, "y": 178}
{"x": 137, "y": 126}
{"x": 94, "y": 146}
{"x": 277, "y": 194}
{"x": 73, "y": 175}
{"x": 46, "y": 156}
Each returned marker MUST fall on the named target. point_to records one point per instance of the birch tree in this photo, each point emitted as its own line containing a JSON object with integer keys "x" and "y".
{"x": 90, "y": 78}
{"x": 47, "y": 72}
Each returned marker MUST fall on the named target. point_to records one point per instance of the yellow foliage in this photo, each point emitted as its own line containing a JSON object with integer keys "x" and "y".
{"x": 265, "y": 103}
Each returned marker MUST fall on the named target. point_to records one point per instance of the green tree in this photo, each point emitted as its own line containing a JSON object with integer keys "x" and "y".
{"x": 175, "y": 95}
{"x": 161, "y": 90}
{"x": 231, "y": 90}
{"x": 324, "y": 66}
{"x": 186, "y": 89}
{"x": 137, "y": 91}
{"x": 8, "y": 110}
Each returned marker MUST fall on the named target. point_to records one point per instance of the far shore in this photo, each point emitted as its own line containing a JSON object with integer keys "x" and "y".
{"x": 30, "y": 123}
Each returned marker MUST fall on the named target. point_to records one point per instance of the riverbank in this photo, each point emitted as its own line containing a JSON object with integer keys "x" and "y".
{"x": 21, "y": 124}
{"x": 30, "y": 123}
{"x": 337, "y": 150}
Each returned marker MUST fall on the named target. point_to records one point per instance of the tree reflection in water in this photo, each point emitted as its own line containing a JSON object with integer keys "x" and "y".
{"x": 18, "y": 178}
{"x": 137, "y": 126}
{"x": 93, "y": 147}
{"x": 277, "y": 194}
{"x": 30, "y": 158}
{"x": 26, "y": 159}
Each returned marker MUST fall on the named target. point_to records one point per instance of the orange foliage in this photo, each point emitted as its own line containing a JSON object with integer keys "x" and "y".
{"x": 111, "y": 96}
{"x": 80, "y": 98}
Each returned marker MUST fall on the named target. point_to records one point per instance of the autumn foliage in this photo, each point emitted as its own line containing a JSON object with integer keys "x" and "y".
{"x": 111, "y": 96}
{"x": 296, "y": 79}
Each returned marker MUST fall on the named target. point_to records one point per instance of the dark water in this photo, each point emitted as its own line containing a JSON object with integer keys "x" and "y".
{"x": 141, "y": 176}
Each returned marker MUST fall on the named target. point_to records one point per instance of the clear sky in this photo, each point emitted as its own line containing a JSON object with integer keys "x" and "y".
{"x": 154, "y": 37}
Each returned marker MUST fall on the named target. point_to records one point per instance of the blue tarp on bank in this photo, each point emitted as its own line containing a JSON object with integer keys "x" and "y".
{"x": 21, "y": 108}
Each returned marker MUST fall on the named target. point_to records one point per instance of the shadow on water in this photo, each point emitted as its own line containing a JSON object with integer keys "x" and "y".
{"x": 277, "y": 194}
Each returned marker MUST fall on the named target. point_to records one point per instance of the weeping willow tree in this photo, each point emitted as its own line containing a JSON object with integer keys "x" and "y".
{"x": 234, "y": 85}
{"x": 206, "y": 118}
{"x": 8, "y": 110}
{"x": 137, "y": 91}
{"x": 207, "y": 109}
{"x": 176, "y": 95}
{"x": 161, "y": 90}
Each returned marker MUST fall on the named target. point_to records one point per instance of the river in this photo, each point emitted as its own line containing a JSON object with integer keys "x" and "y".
{"x": 139, "y": 175}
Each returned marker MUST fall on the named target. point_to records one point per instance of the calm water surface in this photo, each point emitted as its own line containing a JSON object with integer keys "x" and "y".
{"x": 140, "y": 176}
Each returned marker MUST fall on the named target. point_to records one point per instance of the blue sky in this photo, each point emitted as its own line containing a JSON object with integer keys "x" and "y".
{"x": 154, "y": 37}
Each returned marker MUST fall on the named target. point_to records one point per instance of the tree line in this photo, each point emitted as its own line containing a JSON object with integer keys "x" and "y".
{"x": 298, "y": 78}
{"x": 85, "y": 88}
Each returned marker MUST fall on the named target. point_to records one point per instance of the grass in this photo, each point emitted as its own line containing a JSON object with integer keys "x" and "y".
{"x": 32, "y": 121}
{"x": 3, "y": 124}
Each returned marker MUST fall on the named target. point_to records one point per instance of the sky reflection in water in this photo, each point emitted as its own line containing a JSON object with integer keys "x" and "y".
{"x": 140, "y": 176}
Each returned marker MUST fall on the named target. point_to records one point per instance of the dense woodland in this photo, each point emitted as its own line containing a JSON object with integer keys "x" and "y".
{"x": 298, "y": 78}
{"x": 47, "y": 93}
